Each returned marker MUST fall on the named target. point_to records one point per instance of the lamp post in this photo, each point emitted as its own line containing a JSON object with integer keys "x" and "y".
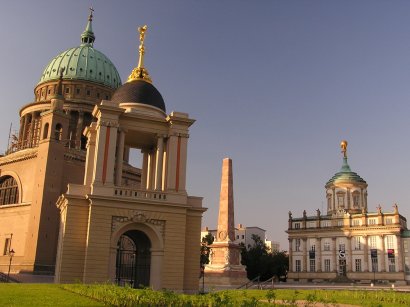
{"x": 11, "y": 254}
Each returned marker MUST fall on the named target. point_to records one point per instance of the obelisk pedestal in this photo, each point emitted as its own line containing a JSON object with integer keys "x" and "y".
{"x": 225, "y": 268}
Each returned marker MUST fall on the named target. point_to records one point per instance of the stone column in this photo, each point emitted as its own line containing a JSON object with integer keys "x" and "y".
{"x": 349, "y": 205}
{"x": 79, "y": 129}
{"x": 120, "y": 155}
{"x": 319, "y": 254}
{"x": 22, "y": 122}
{"x": 334, "y": 199}
{"x": 335, "y": 249}
{"x": 159, "y": 163}
{"x": 361, "y": 198}
{"x": 366, "y": 254}
{"x": 31, "y": 131}
{"x": 171, "y": 162}
{"x": 290, "y": 255}
{"x": 349, "y": 255}
{"x": 127, "y": 154}
{"x": 91, "y": 134}
{"x": 305, "y": 255}
{"x": 156, "y": 268}
{"x": 144, "y": 171}
{"x": 24, "y": 139}
{"x": 183, "y": 150}
{"x": 383, "y": 255}
{"x": 104, "y": 162}
{"x": 151, "y": 170}
{"x": 399, "y": 256}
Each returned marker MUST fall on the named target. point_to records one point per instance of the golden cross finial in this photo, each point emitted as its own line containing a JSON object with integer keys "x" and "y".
{"x": 140, "y": 72}
{"x": 343, "y": 146}
{"x": 142, "y": 31}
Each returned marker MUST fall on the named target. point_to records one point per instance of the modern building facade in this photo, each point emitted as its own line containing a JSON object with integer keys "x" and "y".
{"x": 113, "y": 221}
{"x": 348, "y": 242}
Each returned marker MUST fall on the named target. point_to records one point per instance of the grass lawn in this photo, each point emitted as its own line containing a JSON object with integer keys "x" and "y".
{"x": 80, "y": 295}
{"x": 41, "y": 295}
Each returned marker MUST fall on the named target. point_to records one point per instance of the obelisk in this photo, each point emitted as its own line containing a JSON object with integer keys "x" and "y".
{"x": 225, "y": 268}
{"x": 226, "y": 223}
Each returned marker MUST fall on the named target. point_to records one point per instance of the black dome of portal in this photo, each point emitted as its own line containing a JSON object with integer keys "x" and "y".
{"x": 139, "y": 91}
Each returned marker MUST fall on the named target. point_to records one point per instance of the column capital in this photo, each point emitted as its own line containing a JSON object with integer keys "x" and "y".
{"x": 108, "y": 123}
{"x": 122, "y": 129}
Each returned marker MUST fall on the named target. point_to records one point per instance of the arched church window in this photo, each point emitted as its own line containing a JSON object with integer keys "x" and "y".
{"x": 45, "y": 131}
{"x": 58, "y": 132}
{"x": 9, "y": 191}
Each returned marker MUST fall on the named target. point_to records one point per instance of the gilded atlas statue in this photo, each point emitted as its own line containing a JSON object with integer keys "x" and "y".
{"x": 140, "y": 73}
{"x": 343, "y": 146}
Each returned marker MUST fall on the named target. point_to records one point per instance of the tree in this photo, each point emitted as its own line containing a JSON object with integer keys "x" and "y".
{"x": 261, "y": 262}
{"x": 280, "y": 264}
{"x": 205, "y": 249}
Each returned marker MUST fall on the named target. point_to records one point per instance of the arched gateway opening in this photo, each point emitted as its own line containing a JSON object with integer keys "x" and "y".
{"x": 133, "y": 261}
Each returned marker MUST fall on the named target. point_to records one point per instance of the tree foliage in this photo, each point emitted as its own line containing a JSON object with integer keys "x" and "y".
{"x": 205, "y": 249}
{"x": 261, "y": 262}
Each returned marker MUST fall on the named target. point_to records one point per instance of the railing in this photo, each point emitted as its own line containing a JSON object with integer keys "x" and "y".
{"x": 251, "y": 283}
{"x": 267, "y": 284}
{"x": 140, "y": 194}
{"x": 4, "y": 278}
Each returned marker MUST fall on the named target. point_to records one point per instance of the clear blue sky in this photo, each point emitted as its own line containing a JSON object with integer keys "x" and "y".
{"x": 275, "y": 85}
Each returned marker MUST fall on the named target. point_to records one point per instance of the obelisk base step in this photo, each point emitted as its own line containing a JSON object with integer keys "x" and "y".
{"x": 228, "y": 276}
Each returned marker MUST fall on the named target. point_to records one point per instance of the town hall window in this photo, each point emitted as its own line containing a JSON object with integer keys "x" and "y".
{"x": 390, "y": 242}
{"x": 9, "y": 191}
{"x": 297, "y": 245}
{"x": 312, "y": 265}
{"x": 327, "y": 265}
{"x": 357, "y": 243}
{"x": 298, "y": 266}
{"x": 358, "y": 265}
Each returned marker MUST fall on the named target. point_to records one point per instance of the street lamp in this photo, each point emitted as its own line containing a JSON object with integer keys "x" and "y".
{"x": 11, "y": 254}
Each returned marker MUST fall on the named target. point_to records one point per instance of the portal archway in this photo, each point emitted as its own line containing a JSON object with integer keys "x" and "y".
{"x": 133, "y": 260}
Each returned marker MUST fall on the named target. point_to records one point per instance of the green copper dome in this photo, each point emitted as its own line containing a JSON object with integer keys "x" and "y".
{"x": 83, "y": 63}
{"x": 346, "y": 175}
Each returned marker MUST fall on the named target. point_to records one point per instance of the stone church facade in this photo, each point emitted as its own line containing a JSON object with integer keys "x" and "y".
{"x": 348, "y": 243}
{"x": 71, "y": 204}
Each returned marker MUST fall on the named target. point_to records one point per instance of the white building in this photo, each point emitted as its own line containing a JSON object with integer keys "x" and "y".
{"x": 348, "y": 243}
{"x": 244, "y": 235}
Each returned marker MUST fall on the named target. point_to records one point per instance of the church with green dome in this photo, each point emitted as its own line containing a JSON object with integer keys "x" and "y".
{"x": 73, "y": 204}
{"x": 348, "y": 243}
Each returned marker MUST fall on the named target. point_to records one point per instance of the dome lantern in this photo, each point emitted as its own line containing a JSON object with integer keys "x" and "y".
{"x": 88, "y": 37}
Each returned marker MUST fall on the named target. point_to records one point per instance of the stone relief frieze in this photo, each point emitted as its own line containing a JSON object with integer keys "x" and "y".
{"x": 139, "y": 217}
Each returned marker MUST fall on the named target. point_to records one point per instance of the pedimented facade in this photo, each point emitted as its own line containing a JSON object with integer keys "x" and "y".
{"x": 348, "y": 242}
